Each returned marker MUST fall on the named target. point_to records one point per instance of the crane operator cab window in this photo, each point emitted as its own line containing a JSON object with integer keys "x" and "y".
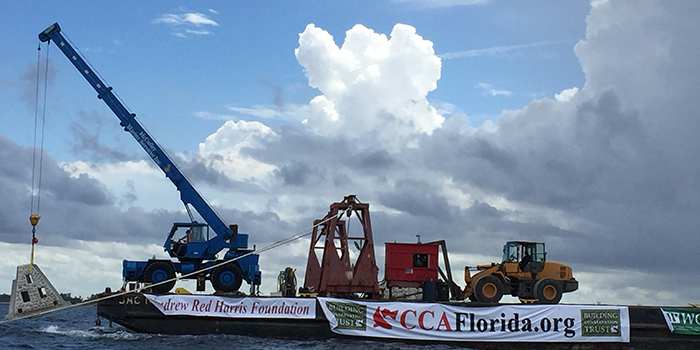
{"x": 198, "y": 234}
{"x": 193, "y": 234}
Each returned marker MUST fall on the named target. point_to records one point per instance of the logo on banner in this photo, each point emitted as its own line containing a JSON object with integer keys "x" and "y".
{"x": 602, "y": 322}
{"x": 380, "y": 316}
{"x": 348, "y": 315}
{"x": 682, "y": 321}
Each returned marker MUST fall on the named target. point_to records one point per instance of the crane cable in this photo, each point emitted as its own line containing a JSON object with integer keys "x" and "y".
{"x": 34, "y": 217}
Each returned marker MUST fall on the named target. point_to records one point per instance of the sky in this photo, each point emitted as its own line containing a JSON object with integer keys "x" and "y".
{"x": 478, "y": 122}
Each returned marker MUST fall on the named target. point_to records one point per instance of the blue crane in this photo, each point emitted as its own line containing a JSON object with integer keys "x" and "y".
{"x": 197, "y": 249}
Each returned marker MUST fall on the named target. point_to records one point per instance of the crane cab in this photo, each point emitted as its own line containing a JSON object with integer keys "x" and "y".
{"x": 187, "y": 240}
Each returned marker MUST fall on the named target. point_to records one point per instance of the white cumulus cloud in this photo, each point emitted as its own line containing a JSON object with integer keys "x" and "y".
{"x": 371, "y": 84}
{"x": 224, "y": 147}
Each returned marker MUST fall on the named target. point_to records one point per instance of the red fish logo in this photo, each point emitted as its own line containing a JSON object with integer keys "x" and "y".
{"x": 381, "y": 315}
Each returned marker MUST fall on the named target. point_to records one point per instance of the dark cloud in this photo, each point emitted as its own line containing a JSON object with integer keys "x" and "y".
{"x": 319, "y": 156}
{"x": 298, "y": 144}
{"x": 597, "y": 164}
{"x": 418, "y": 198}
{"x": 296, "y": 174}
{"x": 373, "y": 161}
{"x": 88, "y": 144}
{"x": 32, "y": 86}
{"x": 263, "y": 227}
{"x": 81, "y": 208}
{"x": 201, "y": 170}
{"x": 55, "y": 191}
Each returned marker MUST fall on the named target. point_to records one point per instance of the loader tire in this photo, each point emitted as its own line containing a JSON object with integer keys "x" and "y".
{"x": 548, "y": 291}
{"x": 227, "y": 278}
{"x": 159, "y": 271}
{"x": 488, "y": 289}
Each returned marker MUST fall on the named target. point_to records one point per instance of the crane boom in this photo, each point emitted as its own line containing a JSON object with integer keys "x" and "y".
{"x": 188, "y": 194}
{"x": 200, "y": 251}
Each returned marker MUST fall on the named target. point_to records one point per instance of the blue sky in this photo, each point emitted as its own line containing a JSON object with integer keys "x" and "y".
{"x": 478, "y": 122}
{"x": 499, "y": 57}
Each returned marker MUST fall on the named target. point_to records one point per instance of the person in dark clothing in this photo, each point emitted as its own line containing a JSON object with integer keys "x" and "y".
{"x": 526, "y": 260}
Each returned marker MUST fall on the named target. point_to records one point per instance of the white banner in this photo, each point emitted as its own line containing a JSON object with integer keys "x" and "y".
{"x": 502, "y": 323}
{"x": 216, "y": 306}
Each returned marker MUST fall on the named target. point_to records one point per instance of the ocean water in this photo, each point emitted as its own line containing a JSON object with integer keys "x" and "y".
{"x": 75, "y": 329}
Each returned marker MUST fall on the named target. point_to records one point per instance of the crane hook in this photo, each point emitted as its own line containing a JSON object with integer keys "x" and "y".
{"x": 34, "y": 219}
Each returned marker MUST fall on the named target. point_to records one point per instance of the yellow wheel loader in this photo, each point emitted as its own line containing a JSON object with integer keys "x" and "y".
{"x": 524, "y": 273}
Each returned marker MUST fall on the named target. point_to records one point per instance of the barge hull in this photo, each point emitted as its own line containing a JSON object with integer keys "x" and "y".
{"x": 648, "y": 329}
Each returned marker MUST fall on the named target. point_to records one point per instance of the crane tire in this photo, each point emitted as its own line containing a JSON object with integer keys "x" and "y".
{"x": 488, "y": 289}
{"x": 548, "y": 291}
{"x": 227, "y": 278}
{"x": 159, "y": 271}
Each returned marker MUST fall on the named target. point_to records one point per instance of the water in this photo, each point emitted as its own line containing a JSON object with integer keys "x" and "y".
{"x": 75, "y": 329}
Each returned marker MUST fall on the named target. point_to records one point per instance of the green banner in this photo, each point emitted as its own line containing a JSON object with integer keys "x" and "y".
{"x": 682, "y": 320}
{"x": 348, "y": 315}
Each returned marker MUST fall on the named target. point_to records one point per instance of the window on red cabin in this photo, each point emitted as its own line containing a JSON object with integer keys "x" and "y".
{"x": 420, "y": 260}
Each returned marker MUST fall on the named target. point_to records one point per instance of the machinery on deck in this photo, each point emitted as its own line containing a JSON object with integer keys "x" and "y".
{"x": 287, "y": 282}
{"x": 201, "y": 242}
{"x": 412, "y": 270}
{"x": 524, "y": 273}
{"x": 340, "y": 271}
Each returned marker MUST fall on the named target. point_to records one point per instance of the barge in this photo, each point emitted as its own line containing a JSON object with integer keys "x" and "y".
{"x": 417, "y": 301}
{"x": 632, "y": 327}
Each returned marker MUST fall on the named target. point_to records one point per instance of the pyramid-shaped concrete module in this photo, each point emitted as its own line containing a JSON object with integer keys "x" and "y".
{"x": 32, "y": 293}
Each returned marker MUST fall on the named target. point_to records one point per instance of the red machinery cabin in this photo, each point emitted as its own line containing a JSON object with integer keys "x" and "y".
{"x": 410, "y": 264}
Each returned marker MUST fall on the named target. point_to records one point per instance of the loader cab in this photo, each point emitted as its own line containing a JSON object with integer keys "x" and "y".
{"x": 529, "y": 256}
